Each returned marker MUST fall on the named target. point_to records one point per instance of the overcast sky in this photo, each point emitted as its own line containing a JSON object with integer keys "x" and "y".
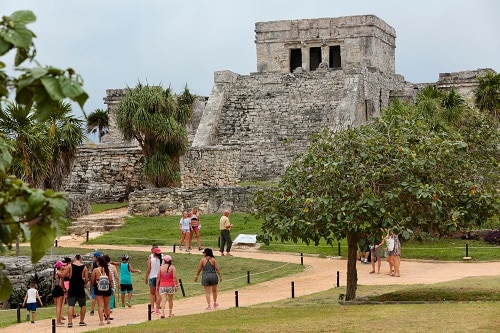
{"x": 117, "y": 43}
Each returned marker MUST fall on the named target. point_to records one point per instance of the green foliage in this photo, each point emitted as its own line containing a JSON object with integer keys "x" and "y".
{"x": 157, "y": 119}
{"x": 44, "y": 291}
{"x": 487, "y": 94}
{"x": 44, "y": 149}
{"x": 98, "y": 122}
{"x": 38, "y": 111}
{"x": 38, "y": 87}
{"x": 415, "y": 170}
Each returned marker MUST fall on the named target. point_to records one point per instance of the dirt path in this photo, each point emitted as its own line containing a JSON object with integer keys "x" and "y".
{"x": 320, "y": 275}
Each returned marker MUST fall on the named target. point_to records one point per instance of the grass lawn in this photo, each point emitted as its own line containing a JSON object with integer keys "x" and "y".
{"x": 322, "y": 312}
{"x": 164, "y": 231}
{"x": 234, "y": 271}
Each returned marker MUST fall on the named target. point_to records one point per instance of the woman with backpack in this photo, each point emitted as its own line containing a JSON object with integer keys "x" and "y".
{"x": 102, "y": 284}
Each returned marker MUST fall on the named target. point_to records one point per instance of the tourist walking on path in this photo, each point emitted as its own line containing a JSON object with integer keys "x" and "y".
{"x": 185, "y": 228}
{"x": 225, "y": 234}
{"x": 102, "y": 284}
{"x": 195, "y": 227}
{"x": 153, "y": 266}
{"x": 30, "y": 300}
{"x": 78, "y": 278}
{"x": 166, "y": 284}
{"x": 93, "y": 266}
{"x": 211, "y": 276}
{"x": 126, "y": 286}
{"x": 114, "y": 275}
{"x": 58, "y": 290}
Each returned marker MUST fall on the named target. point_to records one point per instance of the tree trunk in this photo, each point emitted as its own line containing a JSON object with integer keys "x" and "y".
{"x": 352, "y": 273}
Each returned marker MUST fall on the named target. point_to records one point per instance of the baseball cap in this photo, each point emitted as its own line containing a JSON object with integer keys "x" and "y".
{"x": 167, "y": 258}
{"x": 125, "y": 257}
{"x": 97, "y": 254}
{"x": 157, "y": 250}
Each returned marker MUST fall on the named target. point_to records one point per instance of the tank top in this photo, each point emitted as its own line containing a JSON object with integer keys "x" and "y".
{"x": 76, "y": 282}
{"x": 125, "y": 277}
{"x": 155, "y": 266}
{"x": 167, "y": 280}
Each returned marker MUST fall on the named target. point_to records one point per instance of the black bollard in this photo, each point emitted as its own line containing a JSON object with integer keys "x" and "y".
{"x": 174, "y": 248}
{"x": 18, "y": 313}
{"x": 218, "y": 243}
{"x": 302, "y": 258}
{"x": 339, "y": 249}
{"x": 56, "y": 243}
{"x": 293, "y": 289}
{"x": 248, "y": 277}
{"x": 182, "y": 288}
{"x": 236, "y": 298}
{"x": 87, "y": 236}
{"x": 338, "y": 279}
{"x": 53, "y": 326}
{"x": 467, "y": 250}
{"x": 149, "y": 311}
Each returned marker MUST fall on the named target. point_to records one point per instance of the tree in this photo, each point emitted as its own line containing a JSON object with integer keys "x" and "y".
{"x": 414, "y": 170}
{"x": 31, "y": 213}
{"x": 157, "y": 119}
{"x": 98, "y": 122}
{"x": 487, "y": 94}
{"x": 44, "y": 148}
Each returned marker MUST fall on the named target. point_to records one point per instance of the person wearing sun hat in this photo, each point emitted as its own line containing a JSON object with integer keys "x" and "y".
{"x": 58, "y": 290}
{"x": 153, "y": 265}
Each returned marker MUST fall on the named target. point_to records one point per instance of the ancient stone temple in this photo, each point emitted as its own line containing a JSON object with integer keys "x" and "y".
{"x": 310, "y": 74}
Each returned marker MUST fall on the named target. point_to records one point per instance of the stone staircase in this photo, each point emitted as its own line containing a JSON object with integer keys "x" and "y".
{"x": 102, "y": 222}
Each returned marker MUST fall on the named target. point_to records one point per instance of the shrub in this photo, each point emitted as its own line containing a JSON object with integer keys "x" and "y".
{"x": 493, "y": 237}
{"x": 44, "y": 290}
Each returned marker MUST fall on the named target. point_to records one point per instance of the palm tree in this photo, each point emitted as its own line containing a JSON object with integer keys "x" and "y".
{"x": 44, "y": 150}
{"x": 487, "y": 94}
{"x": 98, "y": 122}
{"x": 157, "y": 118}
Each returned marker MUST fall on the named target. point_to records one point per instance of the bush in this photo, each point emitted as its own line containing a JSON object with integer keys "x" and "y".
{"x": 493, "y": 237}
{"x": 44, "y": 290}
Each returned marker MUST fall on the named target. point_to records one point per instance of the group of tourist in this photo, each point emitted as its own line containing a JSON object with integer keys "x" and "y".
{"x": 371, "y": 251}
{"x": 70, "y": 278}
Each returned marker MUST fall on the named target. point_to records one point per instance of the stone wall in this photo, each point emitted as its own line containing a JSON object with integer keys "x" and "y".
{"x": 155, "y": 202}
{"x": 106, "y": 172}
{"x": 210, "y": 167}
{"x": 363, "y": 39}
{"x": 19, "y": 269}
{"x": 270, "y": 117}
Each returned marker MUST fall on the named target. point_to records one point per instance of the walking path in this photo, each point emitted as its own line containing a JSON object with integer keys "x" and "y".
{"x": 320, "y": 274}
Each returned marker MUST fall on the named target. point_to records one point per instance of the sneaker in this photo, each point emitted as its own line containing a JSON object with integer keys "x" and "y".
{"x": 216, "y": 305}
{"x": 180, "y": 247}
{"x": 188, "y": 250}
{"x": 157, "y": 312}
{"x": 200, "y": 248}
{"x": 92, "y": 313}
{"x": 128, "y": 304}
{"x": 32, "y": 321}
{"x": 208, "y": 308}
{"x": 123, "y": 306}
{"x": 229, "y": 254}
{"x": 82, "y": 324}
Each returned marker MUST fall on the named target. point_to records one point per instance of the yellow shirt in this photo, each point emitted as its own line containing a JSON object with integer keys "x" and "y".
{"x": 224, "y": 223}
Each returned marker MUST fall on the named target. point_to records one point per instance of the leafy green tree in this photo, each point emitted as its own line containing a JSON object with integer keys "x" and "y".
{"x": 414, "y": 170}
{"x": 32, "y": 213}
{"x": 98, "y": 122}
{"x": 487, "y": 94}
{"x": 44, "y": 148}
{"x": 157, "y": 119}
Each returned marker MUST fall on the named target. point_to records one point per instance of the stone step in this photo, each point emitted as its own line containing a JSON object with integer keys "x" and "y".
{"x": 82, "y": 225}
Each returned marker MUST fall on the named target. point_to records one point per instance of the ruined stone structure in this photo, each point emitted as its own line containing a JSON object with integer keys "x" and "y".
{"x": 311, "y": 74}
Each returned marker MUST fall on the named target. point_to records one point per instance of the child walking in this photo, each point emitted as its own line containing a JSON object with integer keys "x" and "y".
{"x": 30, "y": 301}
{"x": 126, "y": 280}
